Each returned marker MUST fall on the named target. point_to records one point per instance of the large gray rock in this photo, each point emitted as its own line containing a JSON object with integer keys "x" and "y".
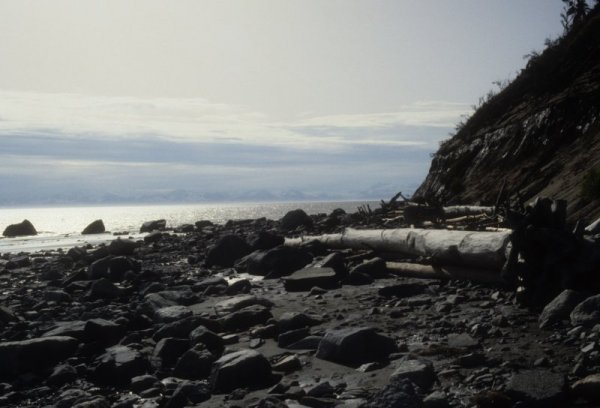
{"x": 118, "y": 365}
{"x": 419, "y": 372}
{"x": 244, "y": 368}
{"x": 560, "y": 307}
{"x": 96, "y": 227}
{"x": 307, "y": 278}
{"x": 30, "y": 355}
{"x": 355, "y": 346}
{"x": 227, "y": 250}
{"x": 540, "y": 387}
{"x": 587, "y": 313}
{"x": 18, "y": 230}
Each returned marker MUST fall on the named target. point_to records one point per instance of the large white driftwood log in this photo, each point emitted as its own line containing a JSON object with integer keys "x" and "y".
{"x": 486, "y": 250}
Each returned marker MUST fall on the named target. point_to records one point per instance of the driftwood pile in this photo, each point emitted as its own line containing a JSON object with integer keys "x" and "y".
{"x": 527, "y": 247}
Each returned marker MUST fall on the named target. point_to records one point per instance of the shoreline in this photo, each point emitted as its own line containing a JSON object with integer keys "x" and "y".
{"x": 159, "y": 320}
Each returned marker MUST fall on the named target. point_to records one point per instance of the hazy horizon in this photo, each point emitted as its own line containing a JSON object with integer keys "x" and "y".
{"x": 187, "y": 101}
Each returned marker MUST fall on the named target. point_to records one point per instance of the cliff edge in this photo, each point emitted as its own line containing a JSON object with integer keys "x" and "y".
{"x": 539, "y": 136}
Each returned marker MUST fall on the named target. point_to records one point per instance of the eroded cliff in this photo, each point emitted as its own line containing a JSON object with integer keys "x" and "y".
{"x": 539, "y": 136}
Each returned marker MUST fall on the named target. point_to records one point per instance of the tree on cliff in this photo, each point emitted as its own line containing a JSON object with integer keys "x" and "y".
{"x": 574, "y": 13}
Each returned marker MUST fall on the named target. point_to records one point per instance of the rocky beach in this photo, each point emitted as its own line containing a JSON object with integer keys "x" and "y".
{"x": 229, "y": 315}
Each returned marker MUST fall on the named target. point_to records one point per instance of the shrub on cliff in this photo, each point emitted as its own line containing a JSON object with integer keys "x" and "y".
{"x": 590, "y": 187}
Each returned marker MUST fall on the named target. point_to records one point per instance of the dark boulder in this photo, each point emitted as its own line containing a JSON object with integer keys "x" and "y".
{"x": 103, "y": 331}
{"x": 19, "y": 230}
{"x": 208, "y": 338}
{"x": 587, "y": 313}
{"x": 96, "y": 227}
{"x": 104, "y": 289}
{"x": 355, "y": 346}
{"x": 62, "y": 374}
{"x": 155, "y": 225}
{"x": 245, "y": 318}
{"x": 34, "y": 354}
{"x": 122, "y": 247}
{"x": 153, "y": 237}
{"x": 398, "y": 393}
{"x": 168, "y": 350}
{"x": 194, "y": 364}
{"x": 189, "y": 393}
{"x": 295, "y": 320}
{"x": 294, "y": 219}
{"x": 265, "y": 240}
{"x": 560, "y": 307}
{"x": 244, "y": 368}
{"x": 277, "y": 262}
{"x": 118, "y": 365}
{"x": 227, "y": 250}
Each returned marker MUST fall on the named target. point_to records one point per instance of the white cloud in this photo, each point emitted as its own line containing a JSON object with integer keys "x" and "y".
{"x": 202, "y": 121}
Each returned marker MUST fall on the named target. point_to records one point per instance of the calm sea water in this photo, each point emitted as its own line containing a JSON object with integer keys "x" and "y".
{"x": 60, "y": 227}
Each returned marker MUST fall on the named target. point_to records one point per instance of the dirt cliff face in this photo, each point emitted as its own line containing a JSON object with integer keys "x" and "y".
{"x": 539, "y": 136}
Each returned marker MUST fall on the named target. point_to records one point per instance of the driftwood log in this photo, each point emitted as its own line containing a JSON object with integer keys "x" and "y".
{"x": 473, "y": 249}
{"x": 421, "y": 271}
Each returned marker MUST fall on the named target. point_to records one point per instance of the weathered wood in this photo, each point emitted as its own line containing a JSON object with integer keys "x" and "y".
{"x": 464, "y": 210}
{"x": 467, "y": 248}
{"x": 444, "y": 272}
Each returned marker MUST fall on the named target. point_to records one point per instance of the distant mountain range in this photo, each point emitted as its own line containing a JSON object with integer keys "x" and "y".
{"x": 375, "y": 192}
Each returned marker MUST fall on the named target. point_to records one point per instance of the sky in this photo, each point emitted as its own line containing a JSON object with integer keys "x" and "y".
{"x": 105, "y": 100}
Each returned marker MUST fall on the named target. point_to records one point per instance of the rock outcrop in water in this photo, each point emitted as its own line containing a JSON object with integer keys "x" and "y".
{"x": 18, "y": 230}
{"x": 540, "y": 136}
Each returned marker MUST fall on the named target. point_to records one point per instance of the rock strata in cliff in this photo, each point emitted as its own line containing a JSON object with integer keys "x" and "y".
{"x": 539, "y": 136}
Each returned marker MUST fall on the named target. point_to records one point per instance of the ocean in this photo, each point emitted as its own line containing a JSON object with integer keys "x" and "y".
{"x": 60, "y": 227}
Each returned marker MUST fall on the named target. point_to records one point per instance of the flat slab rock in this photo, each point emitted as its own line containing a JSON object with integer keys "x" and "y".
{"x": 243, "y": 368}
{"x": 239, "y": 302}
{"x": 355, "y": 346}
{"x": 542, "y": 387}
{"x": 307, "y": 278}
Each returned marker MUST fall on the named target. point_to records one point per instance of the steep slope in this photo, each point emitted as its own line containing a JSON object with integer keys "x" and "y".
{"x": 539, "y": 136}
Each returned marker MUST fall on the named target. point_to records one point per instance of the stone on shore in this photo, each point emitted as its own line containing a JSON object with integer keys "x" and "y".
{"x": 305, "y": 279}
{"x": 540, "y": 387}
{"x": 34, "y": 354}
{"x": 96, "y": 227}
{"x": 398, "y": 393}
{"x": 588, "y": 388}
{"x": 227, "y": 250}
{"x": 294, "y": 219}
{"x": 586, "y": 313}
{"x": 18, "y": 230}
{"x": 118, "y": 365}
{"x": 155, "y": 225}
{"x": 560, "y": 307}
{"x": 420, "y": 372}
{"x": 355, "y": 346}
{"x": 277, "y": 262}
{"x": 243, "y": 368}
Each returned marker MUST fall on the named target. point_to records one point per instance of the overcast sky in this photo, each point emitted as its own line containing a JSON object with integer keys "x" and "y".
{"x": 333, "y": 98}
